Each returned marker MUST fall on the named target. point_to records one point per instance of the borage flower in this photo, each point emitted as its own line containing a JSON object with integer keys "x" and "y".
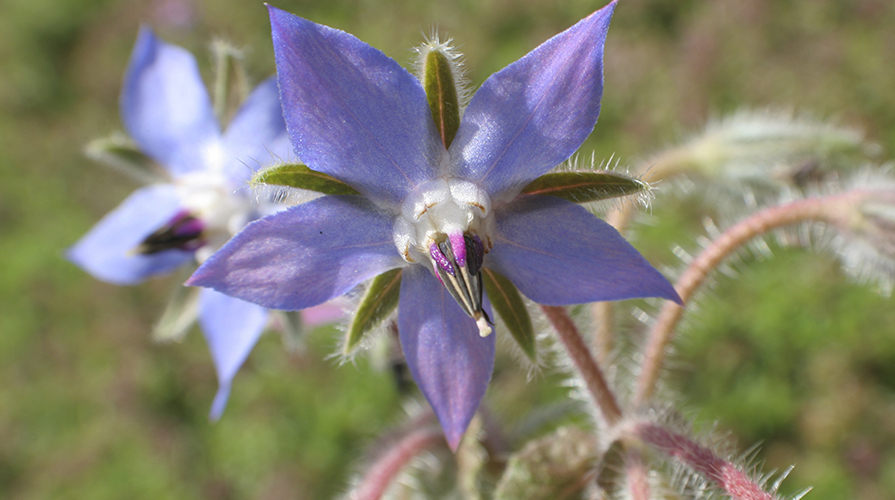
{"x": 450, "y": 208}
{"x": 168, "y": 113}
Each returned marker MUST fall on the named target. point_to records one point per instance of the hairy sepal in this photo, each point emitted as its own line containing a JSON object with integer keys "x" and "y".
{"x": 181, "y": 312}
{"x": 380, "y": 300}
{"x": 507, "y": 301}
{"x": 441, "y": 92}
{"x": 300, "y": 176}
{"x": 121, "y": 153}
{"x": 584, "y": 187}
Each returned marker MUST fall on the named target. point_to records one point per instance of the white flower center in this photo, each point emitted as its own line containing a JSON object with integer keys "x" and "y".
{"x": 210, "y": 197}
{"x": 446, "y": 223}
{"x": 437, "y": 209}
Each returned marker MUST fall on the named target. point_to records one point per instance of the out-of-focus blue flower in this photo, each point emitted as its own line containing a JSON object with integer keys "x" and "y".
{"x": 168, "y": 113}
{"x": 440, "y": 213}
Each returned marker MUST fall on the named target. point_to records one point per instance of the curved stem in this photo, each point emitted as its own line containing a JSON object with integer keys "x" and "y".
{"x": 381, "y": 474}
{"x": 726, "y": 475}
{"x": 584, "y": 362}
{"x": 813, "y": 209}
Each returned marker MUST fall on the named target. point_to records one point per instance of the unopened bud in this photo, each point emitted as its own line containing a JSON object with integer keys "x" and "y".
{"x": 867, "y": 228}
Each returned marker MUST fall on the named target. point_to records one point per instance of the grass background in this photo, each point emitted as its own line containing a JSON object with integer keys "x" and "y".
{"x": 789, "y": 353}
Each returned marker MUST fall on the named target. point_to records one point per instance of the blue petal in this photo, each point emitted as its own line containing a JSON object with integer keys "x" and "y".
{"x": 305, "y": 255}
{"x": 231, "y": 327}
{"x": 106, "y": 251}
{"x": 558, "y": 253}
{"x": 257, "y": 134}
{"x": 448, "y": 359}
{"x": 536, "y": 112}
{"x": 165, "y": 107}
{"x": 352, "y": 112}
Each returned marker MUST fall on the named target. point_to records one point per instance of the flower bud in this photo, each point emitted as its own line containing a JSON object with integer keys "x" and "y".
{"x": 867, "y": 240}
{"x": 765, "y": 150}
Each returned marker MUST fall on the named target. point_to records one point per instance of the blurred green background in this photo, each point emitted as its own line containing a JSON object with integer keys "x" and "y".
{"x": 789, "y": 353}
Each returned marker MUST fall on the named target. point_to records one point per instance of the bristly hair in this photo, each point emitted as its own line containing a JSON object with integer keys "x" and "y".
{"x": 641, "y": 199}
{"x": 867, "y": 254}
{"x": 282, "y": 195}
{"x": 455, "y": 59}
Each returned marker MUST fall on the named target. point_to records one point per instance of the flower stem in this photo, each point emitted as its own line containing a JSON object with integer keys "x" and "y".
{"x": 604, "y": 341}
{"x": 381, "y": 474}
{"x": 636, "y": 476}
{"x": 585, "y": 363}
{"x": 229, "y": 75}
{"x": 811, "y": 209}
{"x": 726, "y": 475}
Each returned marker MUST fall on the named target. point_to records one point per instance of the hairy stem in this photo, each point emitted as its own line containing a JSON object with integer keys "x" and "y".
{"x": 604, "y": 326}
{"x": 584, "y": 362}
{"x": 727, "y": 476}
{"x": 380, "y": 475}
{"x": 812, "y": 209}
{"x": 636, "y": 476}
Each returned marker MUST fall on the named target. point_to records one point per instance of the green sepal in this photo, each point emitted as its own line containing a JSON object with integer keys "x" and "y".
{"x": 181, "y": 311}
{"x": 298, "y": 175}
{"x": 121, "y": 153}
{"x": 292, "y": 328}
{"x": 441, "y": 92}
{"x": 507, "y": 301}
{"x": 586, "y": 186}
{"x": 379, "y": 301}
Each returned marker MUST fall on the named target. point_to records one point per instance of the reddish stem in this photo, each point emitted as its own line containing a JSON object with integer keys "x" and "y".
{"x": 812, "y": 209}
{"x": 636, "y": 476}
{"x": 381, "y": 474}
{"x": 726, "y": 475}
{"x": 585, "y": 364}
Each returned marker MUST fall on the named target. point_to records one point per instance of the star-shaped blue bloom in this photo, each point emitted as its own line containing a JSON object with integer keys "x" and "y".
{"x": 168, "y": 113}
{"x": 442, "y": 214}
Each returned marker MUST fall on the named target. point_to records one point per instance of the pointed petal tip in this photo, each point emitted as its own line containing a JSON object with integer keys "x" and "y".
{"x": 583, "y": 260}
{"x": 219, "y": 403}
{"x": 454, "y": 423}
{"x": 454, "y": 436}
{"x": 145, "y": 34}
{"x": 193, "y": 280}
{"x": 673, "y": 296}
{"x": 664, "y": 288}
{"x": 607, "y": 9}
{"x": 535, "y": 113}
{"x": 279, "y": 18}
{"x": 165, "y": 106}
{"x": 272, "y": 11}
{"x": 449, "y": 361}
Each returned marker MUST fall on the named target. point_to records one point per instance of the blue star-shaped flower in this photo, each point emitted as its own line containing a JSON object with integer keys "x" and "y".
{"x": 440, "y": 213}
{"x": 167, "y": 111}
